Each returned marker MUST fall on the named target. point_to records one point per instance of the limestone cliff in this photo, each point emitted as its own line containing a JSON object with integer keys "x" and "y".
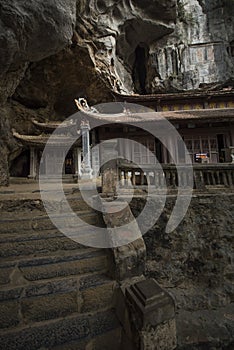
{"x": 53, "y": 51}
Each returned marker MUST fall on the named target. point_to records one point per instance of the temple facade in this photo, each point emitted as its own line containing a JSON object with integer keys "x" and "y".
{"x": 205, "y": 123}
{"x": 49, "y": 163}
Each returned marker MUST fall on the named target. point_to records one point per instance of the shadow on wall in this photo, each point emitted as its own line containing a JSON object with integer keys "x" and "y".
{"x": 139, "y": 72}
{"x": 20, "y": 165}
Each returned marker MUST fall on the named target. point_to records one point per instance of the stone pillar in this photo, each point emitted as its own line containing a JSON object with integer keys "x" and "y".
{"x": 109, "y": 155}
{"x": 95, "y": 161}
{"x": 86, "y": 172}
{"x": 33, "y": 163}
{"x": 151, "y": 317}
{"x": 199, "y": 179}
{"x": 75, "y": 157}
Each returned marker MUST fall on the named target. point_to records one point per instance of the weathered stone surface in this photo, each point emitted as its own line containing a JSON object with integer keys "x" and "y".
{"x": 9, "y": 294}
{"x": 123, "y": 27}
{"x": 195, "y": 261}
{"x": 90, "y": 281}
{"x": 206, "y": 329}
{"x": 48, "y": 307}
{"x": 98, "y": 297}
{"x": 51, "y": 287}
{"x": 127, "y": 260}
{"x": 164, "y": 336}
{"x": 109, "y": 340}
{"x": 58, "y": 269}
{"x": 27, "y": 37}
{"x": 103, "y": 321}
{"x": 153, "y": 304}
{"x": 44, "y": 245}
{"x": 48, "y": 281}
{"x": 5, "y": 275}
{"x": 55, "y": 333}
{"x": 151, "y": 316}
{"x": 9, "y": 311}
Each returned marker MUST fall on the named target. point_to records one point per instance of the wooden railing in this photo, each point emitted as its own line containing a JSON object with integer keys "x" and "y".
{"x": 202, "y": 176}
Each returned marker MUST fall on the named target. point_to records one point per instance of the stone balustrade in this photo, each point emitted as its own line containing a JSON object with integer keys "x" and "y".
{"x": 205, "y": 176}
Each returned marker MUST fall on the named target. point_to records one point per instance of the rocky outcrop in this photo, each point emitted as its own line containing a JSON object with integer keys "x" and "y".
{"x": 29, "y": 32}
{"x": 113, "y": 30}
{"x": 198, "y": 52}
{"x": 52, "y": 52}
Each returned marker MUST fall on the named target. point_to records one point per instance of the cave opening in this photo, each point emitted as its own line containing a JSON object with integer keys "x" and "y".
{"x": 139, "y": 73}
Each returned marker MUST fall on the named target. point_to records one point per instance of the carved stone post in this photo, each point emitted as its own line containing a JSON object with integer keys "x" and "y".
{"x": 199, "y": 180}
{"x": 86, "y": 172}
{"x": 109, "y": 157}
{"x": 151, "y": 312}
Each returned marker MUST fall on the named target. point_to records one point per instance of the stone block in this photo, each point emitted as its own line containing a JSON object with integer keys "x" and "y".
{"x": 48, "y": 307}
{"x": 97, "y": 297}
{"x": 44, "y": 246}
{"x": 109, "y": 340}
{"x": 129, "y": 260}
{"x": 5, "y": 275}
{"x": 153, "y": 304}
{"x": 92, "y": 280}
{"x": 9, "y": 294}
{"x": 102, "y": 322}
{"x": 126, "y": 260}
{"x": 56, "y": 268}
{"x": 109, "y": 181}
{"x": 163, "y": 337}
{"x": 51, "y": 287}
{"x": 9, "y": 311}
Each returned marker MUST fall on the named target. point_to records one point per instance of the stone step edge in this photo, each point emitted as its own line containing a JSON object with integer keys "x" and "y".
{"x": 47, "y": 323}
{"x": 20, "y": 293}
{"x": 13, "y": 261}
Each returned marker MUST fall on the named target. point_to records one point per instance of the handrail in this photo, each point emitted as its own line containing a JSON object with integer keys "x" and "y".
{"x": 204, "y": 175}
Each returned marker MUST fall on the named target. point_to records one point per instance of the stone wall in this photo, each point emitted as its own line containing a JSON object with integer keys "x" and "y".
{"x": 195, "y": 264}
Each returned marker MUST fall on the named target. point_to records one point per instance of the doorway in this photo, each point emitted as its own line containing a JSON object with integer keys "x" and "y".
{"x": 69, "y": 163}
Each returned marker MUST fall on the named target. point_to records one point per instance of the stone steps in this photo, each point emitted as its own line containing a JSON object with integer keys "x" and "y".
{"x": 35, "y": 247}
{"x": 43, "y": 222}
{"x": 40, "y": 301}
{"x": 77, "y": 330}
{"x": 55, "y": 293}
{"x": 81, "y": 261}
{"x": 109, "y": 340}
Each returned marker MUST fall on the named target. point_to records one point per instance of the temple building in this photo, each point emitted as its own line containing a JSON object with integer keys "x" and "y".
{"x": 35, "y": 144}
{"x": 205, "y": 121}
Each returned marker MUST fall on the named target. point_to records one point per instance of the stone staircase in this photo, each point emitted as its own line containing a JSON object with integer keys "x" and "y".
{"x": 54, "y": 292}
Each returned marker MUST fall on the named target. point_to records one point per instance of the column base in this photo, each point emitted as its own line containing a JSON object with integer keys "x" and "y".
{"x": 86, "y": 176}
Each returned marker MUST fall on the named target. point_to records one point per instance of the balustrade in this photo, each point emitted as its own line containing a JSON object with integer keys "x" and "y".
{"x": 204, "y": 175}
